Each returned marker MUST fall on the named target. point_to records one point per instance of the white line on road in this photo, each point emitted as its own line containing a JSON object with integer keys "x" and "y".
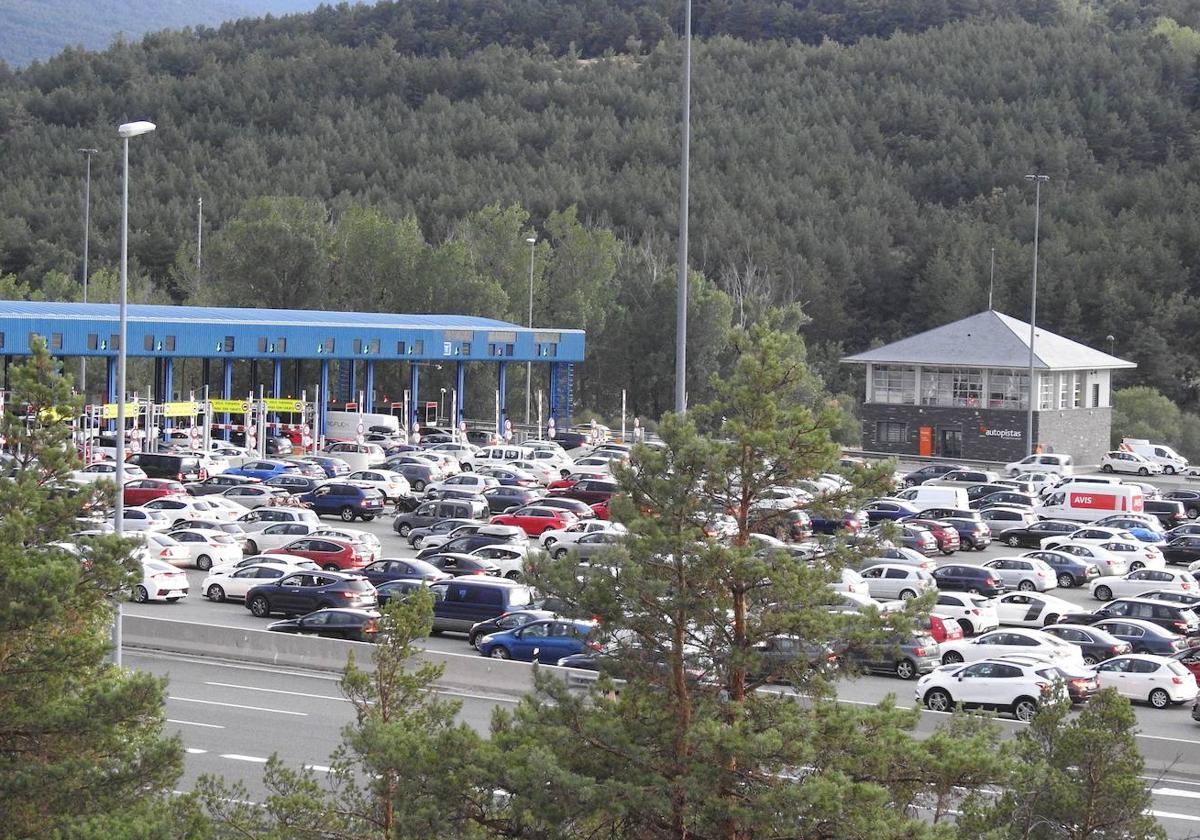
{"x": 318, "y": 768}
{"x": 1165, "y": 738}
{"x": 1169, "y": 815}
{"x": 452, "y": 693}
{"x": 278, "y": 691}
{"x": 194, "y": 751}
{"x": 251, "y": 758}
{"x": 235, "y": 706}
{"x": 194, "y": 723}
{"x": 1166, "y": 791}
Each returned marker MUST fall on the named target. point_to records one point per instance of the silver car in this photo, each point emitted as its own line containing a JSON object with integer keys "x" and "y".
{"x": 890, "y": 581}
{"x": 1026, "y": 574}
{"x": 589, "y": 546}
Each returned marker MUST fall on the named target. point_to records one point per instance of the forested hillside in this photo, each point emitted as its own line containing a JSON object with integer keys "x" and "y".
{"x": 867, "y": 181}
{"x": 37, "y": 29}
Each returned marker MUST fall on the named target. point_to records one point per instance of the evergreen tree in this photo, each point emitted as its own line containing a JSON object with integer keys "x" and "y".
{"x": 82, "y": 752}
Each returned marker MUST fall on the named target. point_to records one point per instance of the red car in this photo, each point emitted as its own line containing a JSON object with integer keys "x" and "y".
{"x": 946, "y": 534}
{"x": 601, "y": 510}
{"x": 943, "y": 628}
{"x": 142, "y": 490}
{"x": 330, "y": 554}
{"x": 1189, "y": 659}
{"x": 535, "y": 520}
{"x": 590, "y": 490}
{"x": 571, "y": 480}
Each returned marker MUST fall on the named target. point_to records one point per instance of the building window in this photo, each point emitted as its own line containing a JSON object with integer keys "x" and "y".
{"x": 891, "y": 431}
{"x": 1077, "y": 399}
{"x": 1064, "y": 390}
{"x": 55, "y": 341}
{"x": 148, "y": 342}
{"x": 466, "y": 348}
{"x": 170, "y": 344}
{"x": 1046, "y": 391}
{"x": 1008, "y": 389}
{"x": 896, "y": 385}
{"x": 418, "y": 346}
{"x": 228, "y": 344}
{"x": 281, "y": 345}
{"x": 373, "y": 347}
{"x": 401, "y": 349}
{"x": 93, "y": 342}
{"x": 962, "y": 387}
{"x": 262, "y": 344}
{"x": 114, "y": 341}
{"x": 357, "y": 346}
{"x": 1095, "y": 395}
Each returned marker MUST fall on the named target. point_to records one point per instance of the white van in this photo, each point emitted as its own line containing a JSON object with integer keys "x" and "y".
{"x": 925, "y": 496}
{"x": 343, "y": 425}
{"x": 1084, "y": 502}
{"x": 1172, "y": 462}
{"x": 1050, "y": 462}
{"x": 494, "y": 456}
{"x": 360, "y": 456}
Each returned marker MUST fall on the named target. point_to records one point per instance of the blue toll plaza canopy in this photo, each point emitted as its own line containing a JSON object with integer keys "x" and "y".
{"x": 230, "y": 334}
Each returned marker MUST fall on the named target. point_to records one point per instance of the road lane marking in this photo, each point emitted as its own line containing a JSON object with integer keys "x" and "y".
{"x": 1166, "y": 791}
{"x": 194, "y": 751}
{"x": 251, "y": 758}
{"x": 194, "y": 723}
{"x": 278, "y": 691}
{"x": 1164, "y": 780}
{"x": 318, "y": 768}
{"x": 1165, "y": 738}
{"x": 452, "y": 693}
{"x": 1169, "y": 815}
{"x": 235, "y": 706}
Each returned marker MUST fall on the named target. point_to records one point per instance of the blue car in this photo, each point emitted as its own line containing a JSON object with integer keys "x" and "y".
{"x": 881, "y": 510}
{"x": 541, "y": 641}
{"x": 349, "y": 501}
{"x": 264, "y": 468}
{"x": 381, "y": 571}
{"x": 333, "y": 467}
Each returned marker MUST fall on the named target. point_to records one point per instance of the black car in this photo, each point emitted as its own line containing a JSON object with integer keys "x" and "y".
{"x": 401, "y": 588}
{"x": 582, "y": 510}
{"x": 1176, "y": 618}
{"x": 1184, "y": 550}
{"x": 1191, "y": 529}
{"x": 456, "y": 565}
{"x": 468, "y": 542}
{"x": 307, "y": 468}
{"x": 1144, "y": 636}
{"x": 217, "y": 484}
{"x": 1005, "y": 497}
{"x": 355, "y": 625}
{"x": 443, "y": 526}
{"x": 975, "y": 492}
{"x": 831, "y": 522}
{"x": 1068, "y": 569}
{"x": 381, "y": 571}
{"x": 1095, "y": 644}
{"x": 932, "y": 471}
{"x": 1030, "y": 536}
{"x": 972, "y": 533}
{"x": 1172, "y": 595}
{"x": 1190, "y": 499}
{"x": 502, "y": 498}
{"x": 306, "y": 590}
{"x": 1169, "y": 512}
{"x": 508, "y": 621}
{"x": 974, "y": 579}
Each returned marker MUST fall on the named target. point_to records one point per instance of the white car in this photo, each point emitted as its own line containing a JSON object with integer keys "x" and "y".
{"x": 160, "y": 582}
{"x": 207, "y": 548}
{"x": 1143, "y": 580}
{"x": 183, "y": 508}
{"x": 1026, "y": 574}
{"x": 543, "y": 471}
{"x": 232, "y": 509}
{"x": 263, "y": 517}
{"x": 255, "y": 495}
{"x": 975, "y": 613}
{"x": 555, "y": 458}
{"x": 510, "y": 559}
{"x": 1004, "y": 642}
{"x": 888, "y": 580}
{"x": 1158, "y": 680}
{"x": 141, "y": 519}
{"x": 1140, "y": 555}
{"x": 1048, "y": 463}
{"x": 106, "y": 470}
{"x": 233, "y": 584}
{"x": 1005, "y": 686}
{"x": 594, "y": 464}
{"x": 161, "y": 547}
{"x": 1029, "y": 609}
{"x": 391, "y": 484}
{"x": 1039, "y": 480}
{"x": 292, "y": 561}
{"x": 279, "y": 534}
{"x": 578, "y": 529}
{"x": 462, "y": 481}
{"x": 1091, "y": 534}
{"x": 1103, "y": 559}
{"x": 365, "y": 543}
{"x": 1129, "y": 462}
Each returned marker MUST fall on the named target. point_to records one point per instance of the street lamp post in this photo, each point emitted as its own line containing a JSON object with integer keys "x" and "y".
{"x": 441, "y": 400}
{"x": 681, "y": 299}
{"x": 1038, "y": 180}
{"x": 87, "y": 227}
{"x": 529, "y": 365}
{"x": 126, "y": 131}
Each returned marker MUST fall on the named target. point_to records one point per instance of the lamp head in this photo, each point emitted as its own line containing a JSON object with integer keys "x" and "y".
{"x": 532, "y": 240}
{"x": 133, "y": 129}
{"x": 1042, "y": 178}
{"x": 88, "y": 151}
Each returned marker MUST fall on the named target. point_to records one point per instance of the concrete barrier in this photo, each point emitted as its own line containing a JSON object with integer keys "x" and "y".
{"x": 464, "y": 671}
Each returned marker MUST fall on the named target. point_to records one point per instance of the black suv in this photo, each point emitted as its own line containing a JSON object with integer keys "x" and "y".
{"x": 974, "y": 579}
{"x": 1170, "y": 512}
{"x": 466, "y": 543}
{"x": 304, "y": 591}
{"x": 1177, "y": 618}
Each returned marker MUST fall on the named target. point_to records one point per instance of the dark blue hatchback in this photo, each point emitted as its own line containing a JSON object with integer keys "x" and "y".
{"x": 974, "y": 579}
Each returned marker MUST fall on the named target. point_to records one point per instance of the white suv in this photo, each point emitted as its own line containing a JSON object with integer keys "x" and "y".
{"x": 1004, "y": 686}
{"x": 1129, "y": 462}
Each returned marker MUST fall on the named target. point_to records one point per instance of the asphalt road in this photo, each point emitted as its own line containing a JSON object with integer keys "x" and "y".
{"x": 258, "y": 709}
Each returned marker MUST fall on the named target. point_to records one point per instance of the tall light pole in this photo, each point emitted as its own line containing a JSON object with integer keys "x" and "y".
{"x": 126, "y": 131}
{"x": 529, "y": 365}
{"x": 87, "y": 227}
{"x": 682, "y": 293}
{"x": 441, "y": 399}
{"x": 1038, "y": 180}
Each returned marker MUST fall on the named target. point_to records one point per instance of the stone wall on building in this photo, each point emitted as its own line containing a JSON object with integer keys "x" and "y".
{"x": 1082, "y": 433}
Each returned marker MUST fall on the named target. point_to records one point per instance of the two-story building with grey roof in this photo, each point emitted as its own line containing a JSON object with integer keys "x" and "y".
{"x": 962, "y": 391}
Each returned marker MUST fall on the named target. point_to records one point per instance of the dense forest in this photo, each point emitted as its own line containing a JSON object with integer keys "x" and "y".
{"x": 33, "y": 30}
{"x": 857, "y": 159}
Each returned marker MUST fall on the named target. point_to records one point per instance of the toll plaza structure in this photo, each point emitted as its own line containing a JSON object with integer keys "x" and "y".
{"x": 961, "y": 391}
{"x": 312, "y": 341}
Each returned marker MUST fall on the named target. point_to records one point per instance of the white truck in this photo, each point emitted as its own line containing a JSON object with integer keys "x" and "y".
{"x": 1172, "y": 462}
{"x": 343, "y": 425}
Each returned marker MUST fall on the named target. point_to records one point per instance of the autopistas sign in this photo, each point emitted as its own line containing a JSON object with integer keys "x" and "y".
{"x": 1006, "y": 434}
